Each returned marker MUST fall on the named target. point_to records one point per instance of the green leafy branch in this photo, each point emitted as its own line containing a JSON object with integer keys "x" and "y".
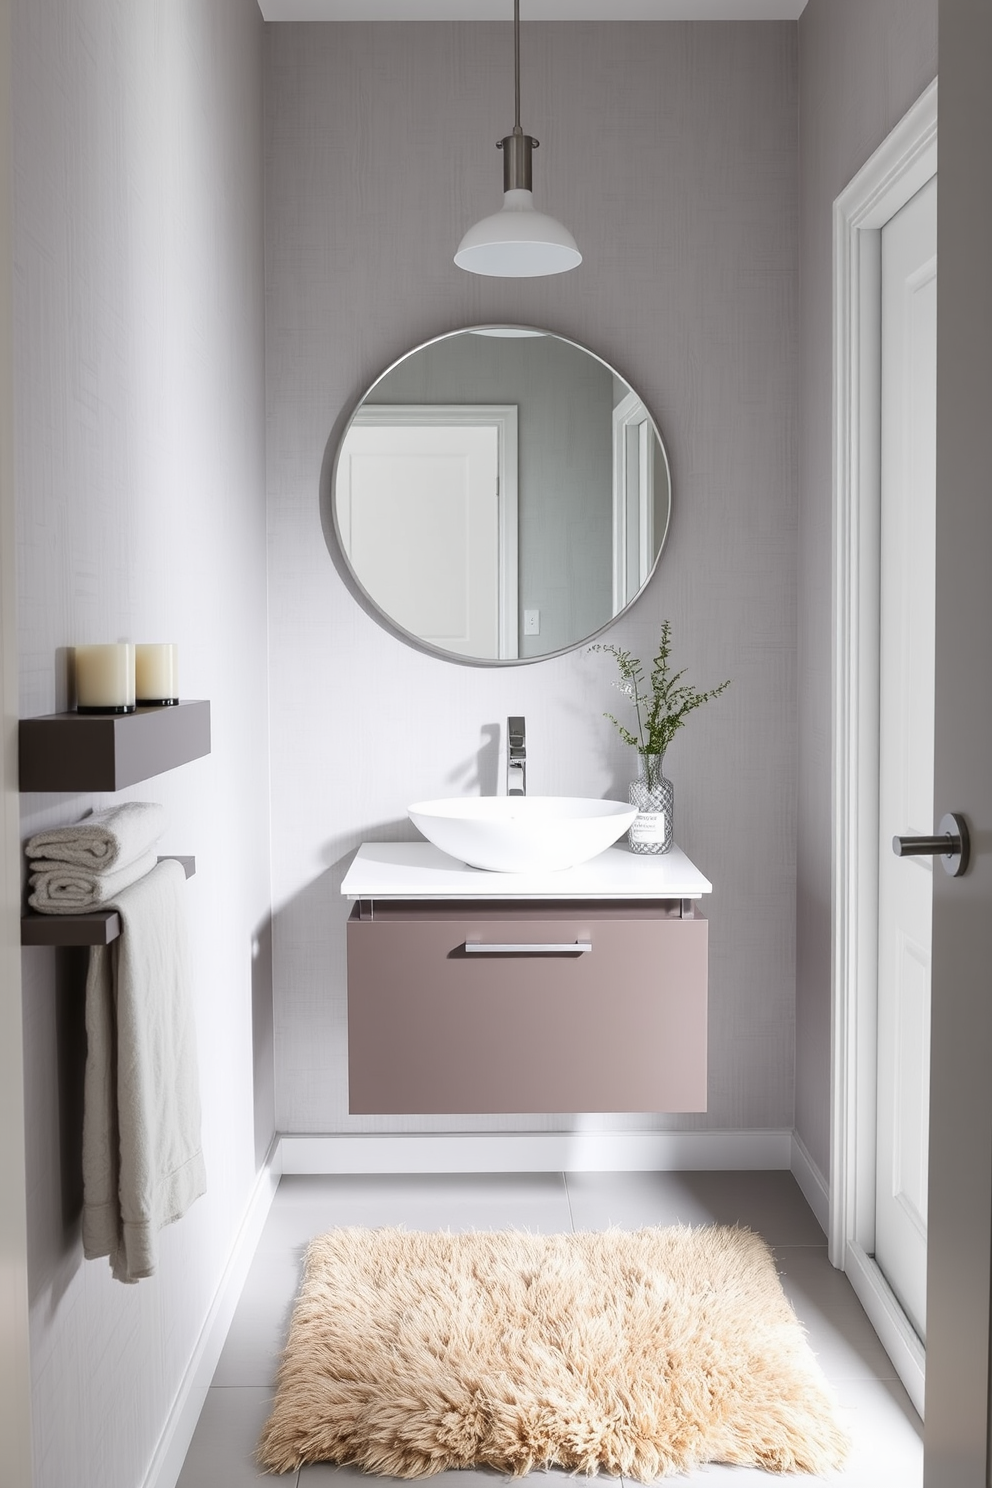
{"x": 662, "y": 702}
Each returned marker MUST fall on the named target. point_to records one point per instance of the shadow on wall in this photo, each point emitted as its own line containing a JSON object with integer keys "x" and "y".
{"x": 56, "y": 1195}
{"x": 478, "y": 775}
{"x": 262, "y": 1041}
{"x": 71, "y": 964}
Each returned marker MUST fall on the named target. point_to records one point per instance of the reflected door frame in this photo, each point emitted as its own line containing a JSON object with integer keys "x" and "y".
{"x": 503, "y": 418}
{"x": 899, "y": 168}
{"x": 633, "y": 498}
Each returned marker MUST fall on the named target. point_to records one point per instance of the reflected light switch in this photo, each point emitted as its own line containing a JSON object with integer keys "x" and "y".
{"x": 532, "y": 622}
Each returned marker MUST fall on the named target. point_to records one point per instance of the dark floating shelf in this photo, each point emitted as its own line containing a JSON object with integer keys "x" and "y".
{"x": 105, "y": 752}
{"x": 98, "y": 928}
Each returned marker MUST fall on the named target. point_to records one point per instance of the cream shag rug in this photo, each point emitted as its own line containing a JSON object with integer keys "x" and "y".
{"x": 643, "y": 1353}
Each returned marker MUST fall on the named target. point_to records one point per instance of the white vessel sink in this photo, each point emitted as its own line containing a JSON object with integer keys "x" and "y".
{"x": 521, "y": 834}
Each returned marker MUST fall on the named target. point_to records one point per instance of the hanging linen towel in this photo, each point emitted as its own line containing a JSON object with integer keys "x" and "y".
{"x": 142, "y": 1160}
{"x": 105, "y": 839}
{"x": 61, "y": 888}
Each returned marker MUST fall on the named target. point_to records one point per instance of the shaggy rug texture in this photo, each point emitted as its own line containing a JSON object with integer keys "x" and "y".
{"x": 641, "y": 1353}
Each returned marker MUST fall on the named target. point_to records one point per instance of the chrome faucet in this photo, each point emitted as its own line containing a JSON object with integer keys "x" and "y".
{"x": 516, "y": 757}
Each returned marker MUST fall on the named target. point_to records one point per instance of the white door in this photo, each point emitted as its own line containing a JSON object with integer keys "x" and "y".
{"x": 906, "y": 727}
{"x": 959, "y": 1272}
{"x": 418, "y": 512}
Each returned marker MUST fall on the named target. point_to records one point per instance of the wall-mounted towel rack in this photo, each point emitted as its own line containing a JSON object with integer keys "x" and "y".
{"x": 105, "y": 752}
{"x": 99, "y": 928}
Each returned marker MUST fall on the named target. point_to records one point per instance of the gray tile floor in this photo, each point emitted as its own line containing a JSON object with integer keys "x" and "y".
{"x": 885, "y": 1429}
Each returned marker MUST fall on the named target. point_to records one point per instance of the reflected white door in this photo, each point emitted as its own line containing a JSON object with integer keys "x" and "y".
{"x": 418, "y": 509}
{"x": 906, "y": 744}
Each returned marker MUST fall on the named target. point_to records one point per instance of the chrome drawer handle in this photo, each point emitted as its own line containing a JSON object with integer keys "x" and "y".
{"x": 474, "y": 948}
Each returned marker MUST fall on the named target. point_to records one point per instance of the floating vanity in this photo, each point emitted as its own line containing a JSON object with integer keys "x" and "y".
{"x": 473, "y": 992}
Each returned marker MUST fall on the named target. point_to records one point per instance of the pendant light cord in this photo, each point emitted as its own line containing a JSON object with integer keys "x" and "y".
{"x": 516, "y": 146}
{"x": 516, "y": 66}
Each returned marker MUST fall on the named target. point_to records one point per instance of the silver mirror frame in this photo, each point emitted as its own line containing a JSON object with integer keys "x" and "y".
{"x": 342, "y": 561}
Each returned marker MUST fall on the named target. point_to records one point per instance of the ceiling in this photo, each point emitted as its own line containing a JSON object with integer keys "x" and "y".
{"x": 533, "y": 10}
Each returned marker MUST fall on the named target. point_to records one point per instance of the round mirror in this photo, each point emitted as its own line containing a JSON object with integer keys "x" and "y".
{"x": 501, "y": 494}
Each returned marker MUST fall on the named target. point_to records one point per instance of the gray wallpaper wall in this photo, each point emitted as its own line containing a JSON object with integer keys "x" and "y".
{"x": 861, "y": 64}
{"x": 670, "y": 150}
{"x": 138, "y": 322}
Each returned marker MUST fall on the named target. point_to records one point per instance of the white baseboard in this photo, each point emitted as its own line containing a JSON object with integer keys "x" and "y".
{"x": 815, "y": 1188}
{"x": 170, "y": 1453}
{"x": 889, "y": 1321}
{"x": 536, "y": 1152}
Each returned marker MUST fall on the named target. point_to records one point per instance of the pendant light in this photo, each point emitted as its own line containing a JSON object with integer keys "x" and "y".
{"x": 517, "y": 242}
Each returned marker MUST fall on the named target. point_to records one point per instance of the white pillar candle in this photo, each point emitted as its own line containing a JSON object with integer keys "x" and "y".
{"x": 156, "y": 670}
{"x": 105, "y": 678}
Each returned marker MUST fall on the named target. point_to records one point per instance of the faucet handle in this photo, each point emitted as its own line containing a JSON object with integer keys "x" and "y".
{"x": 515, "y": 733}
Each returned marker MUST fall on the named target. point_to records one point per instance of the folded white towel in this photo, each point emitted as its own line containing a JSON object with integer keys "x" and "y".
{"x": 142, "y": 1158}
{"x": 106, "y": 839}
{"x": 59, "y": 888}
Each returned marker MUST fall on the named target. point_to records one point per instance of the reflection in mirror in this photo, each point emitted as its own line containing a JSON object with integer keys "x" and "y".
{"x": 501, "y": 494}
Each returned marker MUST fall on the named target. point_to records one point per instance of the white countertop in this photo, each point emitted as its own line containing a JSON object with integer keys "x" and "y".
{"x": 418, "y": 870}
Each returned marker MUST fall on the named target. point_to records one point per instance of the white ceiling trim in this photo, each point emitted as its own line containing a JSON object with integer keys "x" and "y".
{"x": 534, "y": 10}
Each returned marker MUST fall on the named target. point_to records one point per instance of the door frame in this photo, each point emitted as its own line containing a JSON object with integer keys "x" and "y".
{"x": 900, "y": 167}
{"x": 502, "y": 417}
{"x": 631, "y": 413}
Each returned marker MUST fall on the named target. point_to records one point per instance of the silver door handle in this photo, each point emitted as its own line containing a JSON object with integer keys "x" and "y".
{"x": 568, "y": 948}
{"x": 952, "y": 846}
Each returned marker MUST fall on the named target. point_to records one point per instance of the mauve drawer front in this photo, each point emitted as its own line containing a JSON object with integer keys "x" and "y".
{"x": 432, "y": 1030}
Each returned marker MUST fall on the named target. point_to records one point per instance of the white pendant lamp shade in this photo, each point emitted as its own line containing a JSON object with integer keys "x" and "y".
{"x": 518, "y": 242}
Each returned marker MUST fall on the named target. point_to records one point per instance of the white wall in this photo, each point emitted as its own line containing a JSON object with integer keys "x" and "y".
{"x": 861, "y": 64}
{"x": 15, "y": 1381}
{"x": 138, "y": 309}
{"x": 671, "y": 152}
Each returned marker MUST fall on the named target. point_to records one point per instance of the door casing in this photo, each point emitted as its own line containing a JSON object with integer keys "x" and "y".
{"x": 901, "y": 165}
